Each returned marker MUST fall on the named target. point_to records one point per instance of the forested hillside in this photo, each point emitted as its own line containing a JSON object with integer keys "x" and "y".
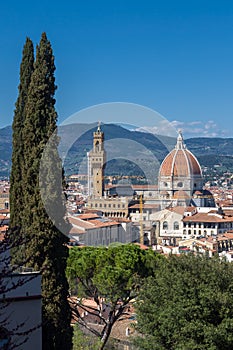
{"x": 212, "y": 153}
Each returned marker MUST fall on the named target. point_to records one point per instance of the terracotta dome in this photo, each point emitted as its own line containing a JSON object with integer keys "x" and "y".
{"x": 180, "y": 162}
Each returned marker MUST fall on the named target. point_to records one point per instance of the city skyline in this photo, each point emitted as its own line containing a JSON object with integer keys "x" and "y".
{"x": 173, "y": 58}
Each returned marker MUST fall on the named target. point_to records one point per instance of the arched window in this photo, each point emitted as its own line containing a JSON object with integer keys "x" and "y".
{"x": 165, "y": 225}
{"x": 176, "y": 225}
{"x": 97, "y": 145}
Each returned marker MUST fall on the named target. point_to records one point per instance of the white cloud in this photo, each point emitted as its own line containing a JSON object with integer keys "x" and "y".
{"x": 162, "y": 127}
{"x": 196, "y": 128}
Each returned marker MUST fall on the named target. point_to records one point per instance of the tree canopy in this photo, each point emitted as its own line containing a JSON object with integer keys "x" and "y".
{"x": 111, "y": 276}
{"x": 187, "y": 305}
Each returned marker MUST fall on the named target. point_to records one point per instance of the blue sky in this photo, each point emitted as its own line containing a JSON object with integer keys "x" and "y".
{"x": 175, "y": 57}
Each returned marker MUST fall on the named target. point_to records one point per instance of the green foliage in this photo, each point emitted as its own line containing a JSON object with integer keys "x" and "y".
{"x": 187, "y": 305}
{"x": 45, "y": 247}
{"x": 84, "y": 342}
{"x": 112, "y": 274}
{"x": 113, "y": 271}
{"x": 16, "y": 180}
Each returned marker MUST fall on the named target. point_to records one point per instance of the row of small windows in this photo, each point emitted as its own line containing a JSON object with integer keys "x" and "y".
{"x": 4, "y": 195}
{"x": 175, "y": 225}
{"x": 194, "y": 232}
{"x": 194, "y": 224}
{"x": 99, "y": 205}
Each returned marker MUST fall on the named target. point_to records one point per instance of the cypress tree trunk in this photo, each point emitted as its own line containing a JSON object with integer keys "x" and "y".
{"x": 16, "y": 178}
{"x": 46, "y": 249}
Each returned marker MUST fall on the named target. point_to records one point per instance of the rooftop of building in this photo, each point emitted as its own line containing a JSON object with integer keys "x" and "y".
{"x": 209, "y": 217}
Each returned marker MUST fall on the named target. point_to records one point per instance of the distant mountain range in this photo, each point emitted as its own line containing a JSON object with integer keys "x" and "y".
{"x": 128, "y": 152}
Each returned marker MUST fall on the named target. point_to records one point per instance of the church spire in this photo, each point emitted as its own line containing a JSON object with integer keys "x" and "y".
{"x": 180, "y": 141}
{"x": 98, "y": 128}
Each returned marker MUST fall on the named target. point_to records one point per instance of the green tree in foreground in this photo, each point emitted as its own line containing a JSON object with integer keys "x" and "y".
{"x": 16, "y": 179}
{"x": 84, "y": 342}
{"x": 46, "y": 248}
{"x": 187, "y": 305}
{"x": 111, "y": 277}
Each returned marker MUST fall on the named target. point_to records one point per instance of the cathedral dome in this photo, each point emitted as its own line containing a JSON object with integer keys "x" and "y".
{"x": 180, "y": 162}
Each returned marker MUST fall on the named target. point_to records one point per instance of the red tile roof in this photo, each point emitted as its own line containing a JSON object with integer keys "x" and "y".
{"x": 88, "y": 216}
{"x": 177, "y": 209}
{"x": 180, "y": 162}
{"x": 75, "y": 221}
{"x": 98, "y": 223}
{"x": 142, "y": 246}
{"x": 204, "y": 217}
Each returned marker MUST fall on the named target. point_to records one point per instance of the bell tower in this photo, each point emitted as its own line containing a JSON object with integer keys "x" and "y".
{"x": 96, "y": 162}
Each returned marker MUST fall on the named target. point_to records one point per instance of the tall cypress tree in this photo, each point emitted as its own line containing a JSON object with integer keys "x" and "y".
{"x": 46, "y": 245}
{"x": 16, "y": 178}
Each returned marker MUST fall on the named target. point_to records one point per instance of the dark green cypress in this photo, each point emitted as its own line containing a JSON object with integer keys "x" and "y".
{"x": 46, "y": 248}
{"x": 16, "y": 178}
